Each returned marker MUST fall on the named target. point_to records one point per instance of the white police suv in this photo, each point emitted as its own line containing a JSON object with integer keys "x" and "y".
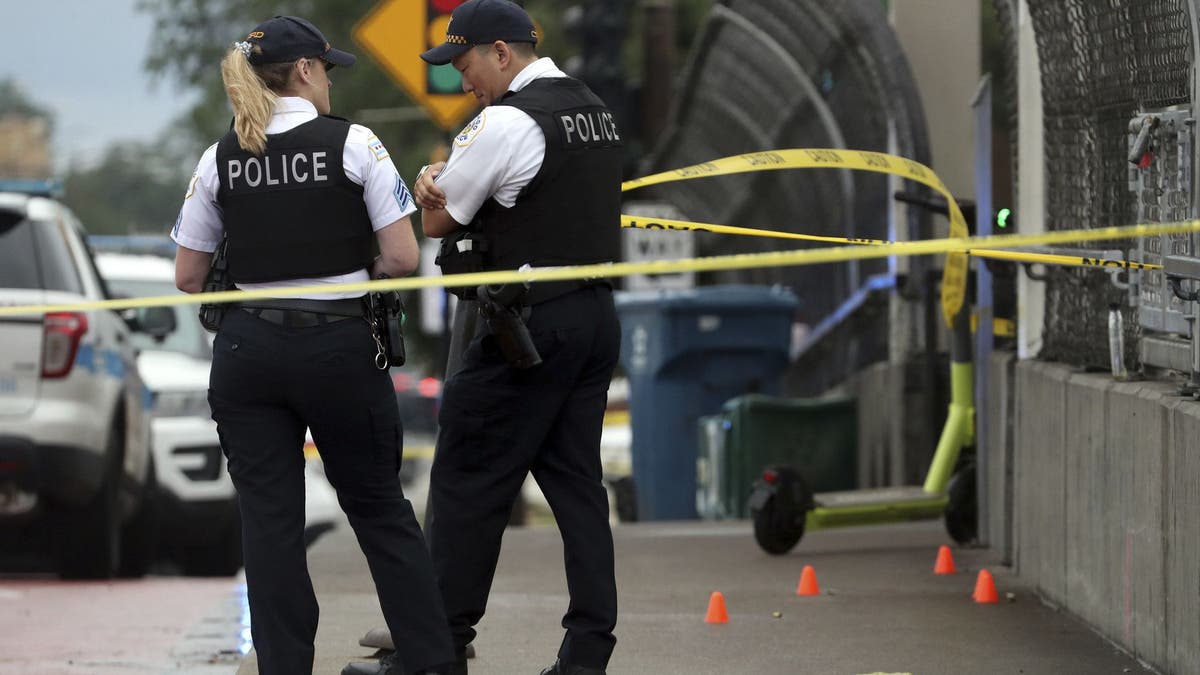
{"x": 76, "y": 474}
{"x": 199, "y": 522}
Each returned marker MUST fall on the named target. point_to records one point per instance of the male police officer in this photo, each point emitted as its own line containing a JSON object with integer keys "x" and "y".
{"x": 534, "y": 179}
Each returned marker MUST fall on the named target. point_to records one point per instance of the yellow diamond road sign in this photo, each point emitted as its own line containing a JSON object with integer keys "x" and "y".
{"x": 395, "y": 33}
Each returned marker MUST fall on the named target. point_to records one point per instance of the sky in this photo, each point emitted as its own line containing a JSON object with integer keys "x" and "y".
{"x": 83, "y": 59}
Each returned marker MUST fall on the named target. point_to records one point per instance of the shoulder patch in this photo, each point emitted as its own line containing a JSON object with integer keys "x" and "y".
{"x": 191, "y": 186}
{"x": 401, "y": 193}
{"x": 469, "y": 132}
{"x": 377, "y": 148}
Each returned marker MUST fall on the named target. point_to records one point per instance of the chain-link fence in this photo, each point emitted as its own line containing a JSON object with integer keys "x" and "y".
{"x": 1102, "y": 63}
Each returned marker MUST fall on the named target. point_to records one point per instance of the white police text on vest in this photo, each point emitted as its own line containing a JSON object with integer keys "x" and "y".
{"x": 278, "y": 170}
{"x": 588, "y": 127}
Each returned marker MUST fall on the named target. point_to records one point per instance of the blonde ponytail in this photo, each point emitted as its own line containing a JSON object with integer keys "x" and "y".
{"x": 251, "y": 91}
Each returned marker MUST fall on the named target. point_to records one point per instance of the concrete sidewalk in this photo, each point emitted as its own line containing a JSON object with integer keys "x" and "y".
{"x": 881, "y": 608}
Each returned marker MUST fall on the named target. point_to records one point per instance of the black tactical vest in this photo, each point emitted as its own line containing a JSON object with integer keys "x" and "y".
{"x": 293, "y": 212}
{"x": 570, "y": 212}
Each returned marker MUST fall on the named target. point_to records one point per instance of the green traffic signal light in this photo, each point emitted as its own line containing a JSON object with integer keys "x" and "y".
{"x": 444, "y": 79}
{"x": 1002, "y": 218}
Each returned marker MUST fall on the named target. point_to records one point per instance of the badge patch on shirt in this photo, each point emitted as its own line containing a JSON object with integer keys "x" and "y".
{"x": 469, "y": 132}
{"x": 192, "y": 186}
{"x": 377, "y": 149}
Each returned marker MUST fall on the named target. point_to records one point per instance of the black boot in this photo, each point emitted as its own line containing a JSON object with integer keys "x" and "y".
{"x": 390, "y": 665}
{"x": 381, "y": 638}
{"x": 560, "y": 668}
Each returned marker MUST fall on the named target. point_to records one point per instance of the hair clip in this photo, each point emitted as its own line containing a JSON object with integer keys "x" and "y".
{"x": 244, "y": 47}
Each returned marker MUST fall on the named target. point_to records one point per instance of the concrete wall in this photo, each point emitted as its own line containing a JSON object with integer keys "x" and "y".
{"x": 1105, "y": 510}
{"x": 897, "y": 430}
{"x": 998, "y": 449}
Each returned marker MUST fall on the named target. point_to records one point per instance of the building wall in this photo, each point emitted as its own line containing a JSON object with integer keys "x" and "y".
{"x": 945, "y": 59}
{"x": 24, "y": 147}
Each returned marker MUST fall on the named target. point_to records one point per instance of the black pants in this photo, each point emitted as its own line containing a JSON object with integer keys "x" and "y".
{"x": 268, "y": 383}
{"x": 497, "y": 425}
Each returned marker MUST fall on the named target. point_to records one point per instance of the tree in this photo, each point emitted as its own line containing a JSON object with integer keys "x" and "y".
{"x": 135, "y": 188}
{"x": 14, "y": 101}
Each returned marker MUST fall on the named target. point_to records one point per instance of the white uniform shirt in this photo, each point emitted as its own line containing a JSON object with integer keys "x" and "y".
{"x": 365, "y": 160}
{"x": 497, "y": 154}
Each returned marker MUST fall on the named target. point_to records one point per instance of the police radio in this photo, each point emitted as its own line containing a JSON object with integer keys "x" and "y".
{"x": 217, "y": 281}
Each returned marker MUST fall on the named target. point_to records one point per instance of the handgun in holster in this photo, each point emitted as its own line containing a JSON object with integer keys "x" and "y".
{"x": 502, "y": 307}
{"x": 217, "y": 281}
{"x": 385, "y": 311}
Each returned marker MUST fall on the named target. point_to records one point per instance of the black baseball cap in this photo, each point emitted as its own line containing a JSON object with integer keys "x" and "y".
{"x": 482, "y": 22}
{"x": 288, "y": 38}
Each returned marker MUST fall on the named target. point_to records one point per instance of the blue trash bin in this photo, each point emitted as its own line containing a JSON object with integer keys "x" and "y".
{"x": 686, "y": 353}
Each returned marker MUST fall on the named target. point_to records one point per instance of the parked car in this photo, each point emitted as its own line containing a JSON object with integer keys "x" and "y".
{"x": 76, "y": 472}
{"x": 200, "y": 525}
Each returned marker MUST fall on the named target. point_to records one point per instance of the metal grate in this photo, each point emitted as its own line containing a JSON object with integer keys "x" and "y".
{"x": 1102, "y": 62}
{"x": 798, "y": 73}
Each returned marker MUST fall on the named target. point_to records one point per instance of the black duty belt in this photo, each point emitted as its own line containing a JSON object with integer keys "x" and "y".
{"x": 548, "y": 290}
{"x": 303, "y": 312}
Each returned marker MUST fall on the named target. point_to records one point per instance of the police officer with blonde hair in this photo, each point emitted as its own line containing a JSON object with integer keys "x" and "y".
{"x": 300, "y": 199}
{"x": 535, "y": 179}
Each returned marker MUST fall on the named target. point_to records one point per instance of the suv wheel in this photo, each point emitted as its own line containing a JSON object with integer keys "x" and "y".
{"x": 139, "y": 537}
{"x": 91, "y": 545}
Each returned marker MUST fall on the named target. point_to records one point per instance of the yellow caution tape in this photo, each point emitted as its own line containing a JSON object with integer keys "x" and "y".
{"x": 613, "y": 418}
{"x": 414, "y": 452}
{"x": 1001, "y": 327}
{"x": 641, "y": 222}
{"x": 1066, "y": 260}
{"x": 954, "y": 277}
{"x": 614, "y": 270}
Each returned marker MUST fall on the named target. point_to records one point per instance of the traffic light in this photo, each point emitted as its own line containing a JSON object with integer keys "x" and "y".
{"x": 599, "y": 27}
{"x": 440, "y": 79}
{"x": 1005, "y": 221}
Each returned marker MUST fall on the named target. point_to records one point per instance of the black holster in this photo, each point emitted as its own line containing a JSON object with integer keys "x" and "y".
{"x": 463, "y": 252}
{"x": 386, "y": 315}
{"x": 502, "y": 307}
{"x": 217, "y": 281}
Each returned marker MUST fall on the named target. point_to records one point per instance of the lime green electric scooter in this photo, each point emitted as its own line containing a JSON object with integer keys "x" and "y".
{"x": 783, "y": 507}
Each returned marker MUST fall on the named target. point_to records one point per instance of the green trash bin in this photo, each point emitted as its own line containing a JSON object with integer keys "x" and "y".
{"x": 818, "y": 437}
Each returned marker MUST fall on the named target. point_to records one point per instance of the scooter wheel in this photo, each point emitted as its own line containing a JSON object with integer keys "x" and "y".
{"x": 777, "y": 530}
{"x": 779, "y": 507}
{"x": 962, "y": 511}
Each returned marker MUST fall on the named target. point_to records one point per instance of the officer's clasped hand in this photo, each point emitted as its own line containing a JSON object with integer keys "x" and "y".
{"x": 425, "y": 192}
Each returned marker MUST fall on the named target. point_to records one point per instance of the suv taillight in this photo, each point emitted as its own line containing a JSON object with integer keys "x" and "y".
{"x": 61, "y": 333}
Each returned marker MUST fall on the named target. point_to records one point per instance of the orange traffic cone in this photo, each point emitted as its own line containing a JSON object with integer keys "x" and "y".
{"x": 808, "y": 582}
{"x": 716, "y": 609}
{"x": 945, "y": 562}
{"x": 985, "y": 589}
